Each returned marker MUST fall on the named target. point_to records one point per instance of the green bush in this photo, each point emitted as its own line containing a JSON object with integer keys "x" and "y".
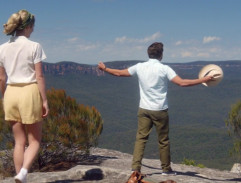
{"x": 69, "y": 128}
{"x": 234, "y": 128}
{"x": 192, "y": 163}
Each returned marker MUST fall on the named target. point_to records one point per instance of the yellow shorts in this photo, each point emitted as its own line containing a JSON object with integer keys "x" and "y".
{"x": 23, "y": 103}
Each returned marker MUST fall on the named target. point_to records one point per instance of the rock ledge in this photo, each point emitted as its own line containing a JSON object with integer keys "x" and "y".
{"x": 114, "y": 167}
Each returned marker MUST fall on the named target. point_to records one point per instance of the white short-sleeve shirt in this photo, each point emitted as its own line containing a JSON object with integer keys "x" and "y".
{"x": 153, "y": 79}
{"x": 18, "y": 57}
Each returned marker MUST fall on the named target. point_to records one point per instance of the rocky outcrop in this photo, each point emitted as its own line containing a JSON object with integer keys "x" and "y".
{"x": 114, "y": 167}
{"x": 236, "y": 168}
{"x": 65, "y": 67}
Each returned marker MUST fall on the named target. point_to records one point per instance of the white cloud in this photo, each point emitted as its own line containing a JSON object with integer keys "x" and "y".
{"x": 208, "y": 39}
{"x": 195, "y": 52}
{"x": 86, "y": 47}
{"x": 153, "y": 37}
{"x": 72, "y": 40}
{"x": 147, "y": 39}
{"x": 178, "y": 43}
{"x": 214, "y": 50}
{"x": 186, "y": 54}
{"x": 203, "y": 55}
{"x": 120, "y": 39}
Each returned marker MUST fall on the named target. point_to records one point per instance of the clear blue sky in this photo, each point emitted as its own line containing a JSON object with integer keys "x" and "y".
{"x": 89, "y": 31}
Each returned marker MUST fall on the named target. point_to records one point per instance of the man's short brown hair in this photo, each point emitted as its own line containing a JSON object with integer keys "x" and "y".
{"x": 155, "y": 50}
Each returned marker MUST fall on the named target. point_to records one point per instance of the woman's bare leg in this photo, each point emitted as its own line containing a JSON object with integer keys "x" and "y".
{"x": 20, "y": 142}
{"x": 34, "y": 133}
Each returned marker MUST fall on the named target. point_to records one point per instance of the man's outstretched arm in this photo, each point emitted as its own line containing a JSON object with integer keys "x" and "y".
{"x": 115, "y": 72}
{"x": 190, "y": 82}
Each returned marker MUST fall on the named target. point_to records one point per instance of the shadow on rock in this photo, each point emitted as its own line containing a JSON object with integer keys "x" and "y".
{"x": 67, "y": 181}
{"x": 90, "y": 175}
{"x": 94, "y": 174}
{"x": 65, "y": 165}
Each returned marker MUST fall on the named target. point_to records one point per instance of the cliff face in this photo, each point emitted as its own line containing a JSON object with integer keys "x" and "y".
{"x": 114, "y": 167}
{"x": 63, "y": 68}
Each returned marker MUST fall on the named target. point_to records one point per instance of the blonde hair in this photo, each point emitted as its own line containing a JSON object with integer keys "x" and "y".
{"x": 18, "y": 21}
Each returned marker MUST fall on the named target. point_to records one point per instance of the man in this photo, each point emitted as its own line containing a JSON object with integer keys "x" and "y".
{"x": 153, "y": 79}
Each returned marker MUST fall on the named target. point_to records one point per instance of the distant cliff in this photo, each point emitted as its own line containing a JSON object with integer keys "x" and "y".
{"x": 63, "y": 68}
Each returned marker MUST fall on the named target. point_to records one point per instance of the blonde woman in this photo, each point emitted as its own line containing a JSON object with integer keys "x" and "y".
{"x": 23, "y": 90}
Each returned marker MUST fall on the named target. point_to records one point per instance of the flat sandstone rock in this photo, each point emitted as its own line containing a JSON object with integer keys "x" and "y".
{"x": 114, "y": 167}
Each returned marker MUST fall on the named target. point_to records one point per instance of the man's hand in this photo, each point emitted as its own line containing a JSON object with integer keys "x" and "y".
{"x": 207, "y": 78}
{"x": 101, "y": 66}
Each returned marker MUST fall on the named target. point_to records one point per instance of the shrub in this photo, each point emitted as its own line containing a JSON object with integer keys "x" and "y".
{"x": 234, "y": 128}
{"x": 70, "y": 127}
{"x": 192, "y": 163}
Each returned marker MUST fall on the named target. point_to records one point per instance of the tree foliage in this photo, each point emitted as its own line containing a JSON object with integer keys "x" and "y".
{"x": 69, "y": 129}
{"x": 234, "y": 127}
{"x": 70, "y": 123}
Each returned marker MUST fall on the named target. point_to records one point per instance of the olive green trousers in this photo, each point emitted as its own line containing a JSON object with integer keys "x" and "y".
{"x": 146, "y": 120}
